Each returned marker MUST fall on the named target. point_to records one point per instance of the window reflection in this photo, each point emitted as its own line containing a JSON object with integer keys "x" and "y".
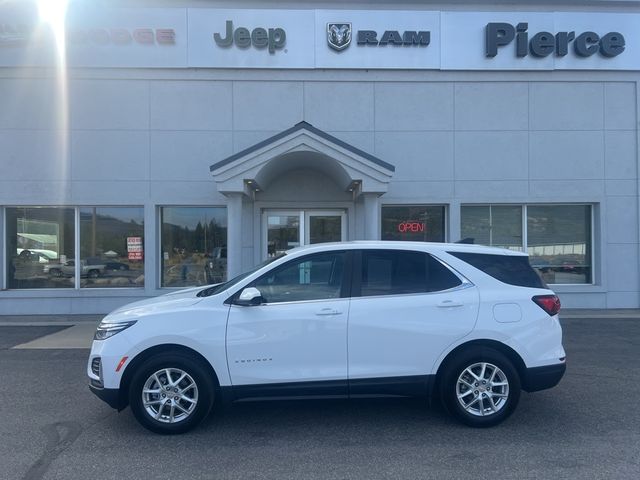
{"x": 494, "y": 225}
{"x": 283, "y": 233}
{"x": 313, "y": 277}
{"x": 559, "y": 242}
{"x": 193, "y": 246}
{"x": 40, "y": 241}
{"x": 558, "y": 237}
{"x": 111, "y": 247}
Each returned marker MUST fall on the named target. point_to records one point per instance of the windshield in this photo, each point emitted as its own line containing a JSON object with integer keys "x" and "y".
{"x": 223, "y": 286}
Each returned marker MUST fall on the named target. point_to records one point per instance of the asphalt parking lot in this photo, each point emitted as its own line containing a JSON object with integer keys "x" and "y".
{"x": 52, "y": 427}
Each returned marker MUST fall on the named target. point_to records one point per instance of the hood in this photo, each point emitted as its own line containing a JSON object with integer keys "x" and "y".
{"x": 170, "y": 301}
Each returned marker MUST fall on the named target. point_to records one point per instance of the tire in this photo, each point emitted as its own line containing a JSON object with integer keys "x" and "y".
{"x": 93, "y": 274}
{"x": 166, "y": 415}
{"x": 55, "y": 272}
{"x": 462, "y": 390}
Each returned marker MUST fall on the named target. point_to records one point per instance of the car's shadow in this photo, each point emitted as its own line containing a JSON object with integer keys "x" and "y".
{"x": 367, "y": 420}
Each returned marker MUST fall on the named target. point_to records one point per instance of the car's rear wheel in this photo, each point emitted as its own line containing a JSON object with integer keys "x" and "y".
{"x": 171, "y": 393}
{"x": 480, "y": 387}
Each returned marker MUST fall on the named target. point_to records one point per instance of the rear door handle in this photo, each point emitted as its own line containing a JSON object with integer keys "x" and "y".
{"x": 328, "y": 311}
{"x": 450, "y": 304}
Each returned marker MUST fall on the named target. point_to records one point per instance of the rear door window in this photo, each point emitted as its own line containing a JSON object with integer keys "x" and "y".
{"x": 511, "y": 269}
{"x": 398, "y": 272}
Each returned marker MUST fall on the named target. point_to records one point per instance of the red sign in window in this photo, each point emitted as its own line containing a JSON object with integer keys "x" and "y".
{"x": 411, "y": 227}
{"x": 134, "y": 248}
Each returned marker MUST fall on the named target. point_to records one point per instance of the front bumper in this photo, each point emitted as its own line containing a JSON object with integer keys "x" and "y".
{"x": 541, "y": 378}
{"x": 111, "y": 396}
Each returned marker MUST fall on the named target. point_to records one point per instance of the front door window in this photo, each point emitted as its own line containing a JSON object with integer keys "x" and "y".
{"x": 315, "y": 277}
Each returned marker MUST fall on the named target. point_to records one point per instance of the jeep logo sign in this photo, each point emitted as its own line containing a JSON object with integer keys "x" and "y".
{"x": 272, "y": 38}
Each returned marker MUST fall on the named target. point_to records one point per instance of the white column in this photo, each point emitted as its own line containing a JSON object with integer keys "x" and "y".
{"x": 152, "y": 280}
{"x": 454, "y": 222}
{"x": 234, "y": 234}
{"x": 371, "y": 206}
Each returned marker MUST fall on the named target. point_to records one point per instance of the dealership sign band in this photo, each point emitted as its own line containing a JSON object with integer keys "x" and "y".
{"x": 308, "y": 39}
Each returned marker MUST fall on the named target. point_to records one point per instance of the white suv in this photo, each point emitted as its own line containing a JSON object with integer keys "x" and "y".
{"x": 471, "y": 325}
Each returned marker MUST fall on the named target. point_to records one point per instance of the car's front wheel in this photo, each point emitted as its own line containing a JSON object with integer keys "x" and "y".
{"x": 480, "y": 387}
{"x": 171, "y": 393}
{"x": 55, "y": 272}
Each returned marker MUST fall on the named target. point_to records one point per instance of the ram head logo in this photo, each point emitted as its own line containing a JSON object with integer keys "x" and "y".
{"x": 339, "y": 35}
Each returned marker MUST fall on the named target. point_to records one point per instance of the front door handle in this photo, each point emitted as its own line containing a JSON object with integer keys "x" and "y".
{"x": 450, "y": 304}
{"x": 328, "y": 311}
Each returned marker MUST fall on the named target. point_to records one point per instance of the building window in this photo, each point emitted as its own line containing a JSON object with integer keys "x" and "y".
{"x": 559, "y": 242}
{"x": 111, "y": 247}
{"x": 556, "y": 237}
{"x": 420, "y": 223}
{"x": 40, "y": 244}
{"x": 496, "y": 225}
{"x": 193, "y": 246}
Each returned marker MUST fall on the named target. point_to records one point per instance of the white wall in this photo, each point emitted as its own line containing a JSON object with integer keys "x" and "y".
{"x": 148, "y": 138}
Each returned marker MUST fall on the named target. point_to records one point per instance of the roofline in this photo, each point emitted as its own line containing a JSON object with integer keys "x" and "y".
{"x": 302, "y": 126}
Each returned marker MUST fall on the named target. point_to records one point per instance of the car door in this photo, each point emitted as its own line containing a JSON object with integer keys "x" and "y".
{"x": 407, "y": 307}
{"x": 298, "y": 333}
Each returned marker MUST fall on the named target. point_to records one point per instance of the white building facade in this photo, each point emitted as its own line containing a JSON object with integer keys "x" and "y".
{"x": 179, "y": 143}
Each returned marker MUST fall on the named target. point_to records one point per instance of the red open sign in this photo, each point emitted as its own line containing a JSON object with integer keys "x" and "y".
{"x": 409, "y": 226}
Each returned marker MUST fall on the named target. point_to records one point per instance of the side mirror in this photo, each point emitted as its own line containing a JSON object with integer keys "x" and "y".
{"x": 249, "y": 297}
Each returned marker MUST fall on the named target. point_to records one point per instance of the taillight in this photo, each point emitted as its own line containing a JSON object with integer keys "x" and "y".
{"x": 549, "y": 303}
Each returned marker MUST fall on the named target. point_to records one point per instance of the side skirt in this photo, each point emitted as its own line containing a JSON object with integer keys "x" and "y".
{"x": 408, "y": 386}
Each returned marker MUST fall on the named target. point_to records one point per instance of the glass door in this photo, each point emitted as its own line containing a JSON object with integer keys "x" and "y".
{"x": 325, "y": 226}
{"x": 283, "y": 231}
{"x": 286, "y": 229}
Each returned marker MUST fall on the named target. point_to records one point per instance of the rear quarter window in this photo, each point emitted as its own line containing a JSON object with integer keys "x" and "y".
{"x": 514, "y": 270}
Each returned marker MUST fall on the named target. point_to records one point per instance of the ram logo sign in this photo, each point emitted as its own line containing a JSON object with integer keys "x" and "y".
{"x": 339, "y": 35}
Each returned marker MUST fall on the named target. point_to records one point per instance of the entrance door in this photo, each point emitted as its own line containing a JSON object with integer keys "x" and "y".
{"x": 285, "y": 229}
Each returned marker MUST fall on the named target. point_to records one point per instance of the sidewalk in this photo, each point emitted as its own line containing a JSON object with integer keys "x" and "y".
{"x": 48, "y": 320}
{"x": 70, "y": 320}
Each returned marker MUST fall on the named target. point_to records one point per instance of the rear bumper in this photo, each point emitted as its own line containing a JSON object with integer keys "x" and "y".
{"x": 541, "y": 378}
{"x": 111, "y": 396}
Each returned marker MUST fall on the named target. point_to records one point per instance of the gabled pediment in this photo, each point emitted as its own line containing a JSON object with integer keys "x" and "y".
{"x": 302, "y": 147}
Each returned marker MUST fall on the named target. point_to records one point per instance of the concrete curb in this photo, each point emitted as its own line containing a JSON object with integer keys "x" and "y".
{"x": 39, "y": 324}
{"x": 47, "y": 320}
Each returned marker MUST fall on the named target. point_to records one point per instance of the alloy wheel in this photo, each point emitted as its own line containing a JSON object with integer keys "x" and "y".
{"x": 170, "y": 395}
{"x": 482, "y": 389}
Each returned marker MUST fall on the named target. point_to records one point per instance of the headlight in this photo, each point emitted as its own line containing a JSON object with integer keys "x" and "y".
{"x": 106, "y": 330}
